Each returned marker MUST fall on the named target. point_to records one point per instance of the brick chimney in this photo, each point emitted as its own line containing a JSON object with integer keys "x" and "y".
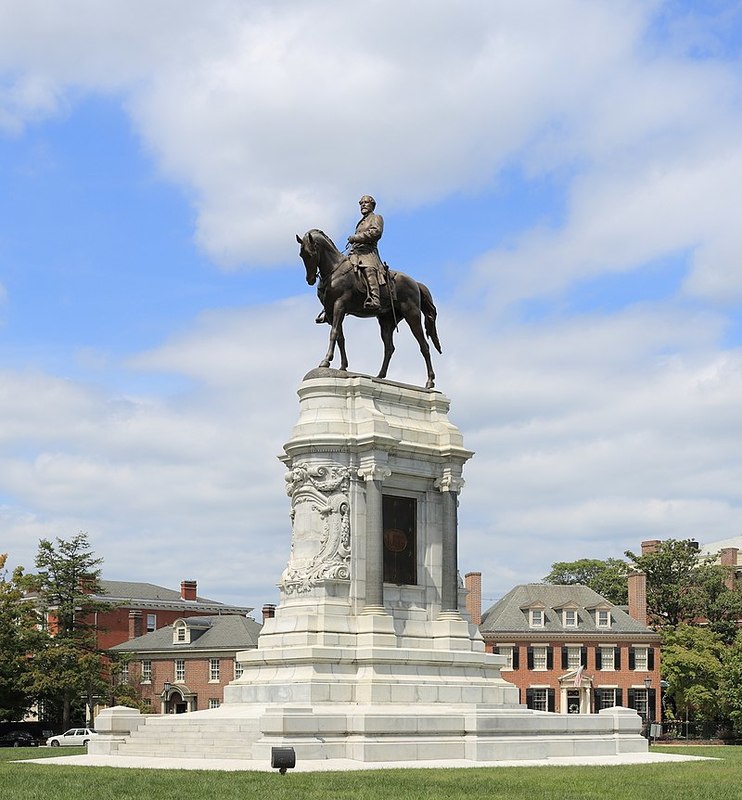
{"x": 269, "y": 611}
{"x": 728, "y": 557}
{"x": 135, "y": 624}
{"x": 650, "y": 546}
{"x": 188, "y": 590}
{"x": 638, "y": 596}
{"x": 473, "y": 582}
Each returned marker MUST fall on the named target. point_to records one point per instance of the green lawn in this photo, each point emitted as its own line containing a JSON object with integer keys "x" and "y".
{"x": 720, "y": 780}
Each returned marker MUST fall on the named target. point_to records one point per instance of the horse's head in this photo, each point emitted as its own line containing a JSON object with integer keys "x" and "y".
{"x": 309, "y": 253}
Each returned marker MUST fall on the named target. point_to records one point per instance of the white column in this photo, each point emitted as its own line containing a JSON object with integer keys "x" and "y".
{"x": 450, "y": 486}
{"x": 373, "y": 475}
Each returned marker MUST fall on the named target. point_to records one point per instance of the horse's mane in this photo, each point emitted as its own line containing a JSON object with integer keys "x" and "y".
{"x": 317, "y": 233}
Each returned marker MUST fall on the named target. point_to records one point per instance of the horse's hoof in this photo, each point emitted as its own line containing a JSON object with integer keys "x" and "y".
{"x": 430, "y": 385}
{"x": 324, "y": 363}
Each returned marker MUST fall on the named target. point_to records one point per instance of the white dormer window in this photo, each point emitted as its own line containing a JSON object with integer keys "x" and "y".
{"x": 603, "y": 618}
{"x": 537, "y": 618}
{"x": 569, "y": 618}
{"x": 181, "y": 634}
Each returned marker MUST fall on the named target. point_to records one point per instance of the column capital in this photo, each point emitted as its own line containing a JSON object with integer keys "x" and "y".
{"x": 374, "y": 472}
{"x": 449, "y": 483}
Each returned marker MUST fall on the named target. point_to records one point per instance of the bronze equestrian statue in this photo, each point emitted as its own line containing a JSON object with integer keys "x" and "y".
{"x": 342, "y": 290}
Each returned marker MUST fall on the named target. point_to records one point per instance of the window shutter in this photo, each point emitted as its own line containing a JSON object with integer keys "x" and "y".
{"x": 530, "y": 659}
{"x": 619, "y": 697}
{"x": 632, "y": 660}
{"x": 564, "y": 657}
{"x": 651, "y": 702}
{"x": 549, "y": 658}
{"x": 551, "y": 694}
{"x": 617, "y": 659}
{"x": 598, "y": 658}
{"x": 516, "y": 657}
{"x": 583, "y": 657}
{"x": 529, "y": 698}
{"x": 632, "y": 698}
{"x": 596, "y": 701}
{"x": 650, "y": 658}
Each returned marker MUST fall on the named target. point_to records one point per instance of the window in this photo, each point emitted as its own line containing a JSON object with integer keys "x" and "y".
{"x": 147, "y": 701}
{"x": 214, "y": 670}
{"x": 641, "y": 660}
{"x": 574, "y": 657}
{"x": 606, "y": 698}
{"x": 238, "y": 670}
{"x": 607, "y": 658}
{"x": 540, "y": 659}
{"x": 214, "y": 702}
{"x": 603, "y": 618}
{"x": 146, "y": 672}
{"x": 180, "y": 633}
{"x": 124, "y": 672}
{"x": 507, "y": 651}
{"x": 641, "y": 704}
{"x": 537, "y": 618}
{"x": 541, "y": 698}
{"x": 179, "y": 670}
{"x": 151, "y": 622}
{"x": 569, "y": 618}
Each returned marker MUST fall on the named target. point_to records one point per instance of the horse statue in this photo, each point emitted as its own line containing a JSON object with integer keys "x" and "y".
{"x": 342, "y": 291}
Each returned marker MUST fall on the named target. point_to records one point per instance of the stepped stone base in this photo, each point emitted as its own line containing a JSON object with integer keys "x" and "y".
{"x": 369, "y": 734}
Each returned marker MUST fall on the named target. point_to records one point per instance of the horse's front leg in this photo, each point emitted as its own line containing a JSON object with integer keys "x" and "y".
{"x": 386, "y": 326}
{"x": 341, "y": 347}
{"x": 336, "y": 332}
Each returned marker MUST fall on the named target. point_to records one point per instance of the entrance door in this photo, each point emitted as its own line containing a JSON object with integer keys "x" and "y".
{"x": 573, "y": 701}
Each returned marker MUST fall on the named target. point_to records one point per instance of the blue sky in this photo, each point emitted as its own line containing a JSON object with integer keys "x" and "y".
{"x": 564, "y": 175}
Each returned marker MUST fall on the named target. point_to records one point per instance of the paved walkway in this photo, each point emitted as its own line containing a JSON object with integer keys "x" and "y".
{"x": 343, "y": 765}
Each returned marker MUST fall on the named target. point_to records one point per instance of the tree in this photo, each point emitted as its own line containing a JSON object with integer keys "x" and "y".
{"x": 732, "y": 683}
{"x": 19, "y": 638}
{"x": 70, "y": 667}
{"x": 608, "y": 578}
{"x": 675, "y": 582}
{"x": 692, "y": 665}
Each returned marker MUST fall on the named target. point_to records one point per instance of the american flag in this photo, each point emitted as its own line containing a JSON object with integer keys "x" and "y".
{"x": 578, "y": 676}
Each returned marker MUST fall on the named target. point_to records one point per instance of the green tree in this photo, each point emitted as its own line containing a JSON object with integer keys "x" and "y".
{"x": 692, "y": 665}
{"x": 69, "y": 668}
{"x": 732, "y": 683}
{"x": 608, "y": 578}
{"x": 675, "y": 582}
{"x": 19, "y": 638}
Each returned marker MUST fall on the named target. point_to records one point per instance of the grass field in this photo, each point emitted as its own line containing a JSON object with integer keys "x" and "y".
{"x": 702, "y": 780}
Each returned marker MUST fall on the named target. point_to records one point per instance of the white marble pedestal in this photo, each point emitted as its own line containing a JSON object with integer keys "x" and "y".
{"x": 368, "y": 656}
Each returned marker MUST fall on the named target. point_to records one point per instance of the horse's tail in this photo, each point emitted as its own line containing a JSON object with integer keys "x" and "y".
{"x": 430, "y": 313}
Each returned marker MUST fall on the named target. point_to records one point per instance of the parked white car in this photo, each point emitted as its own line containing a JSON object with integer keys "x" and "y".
{"x": 74, "y": 737}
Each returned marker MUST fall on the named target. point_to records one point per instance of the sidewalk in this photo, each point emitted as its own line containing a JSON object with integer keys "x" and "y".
{"x": 344, "y": 765}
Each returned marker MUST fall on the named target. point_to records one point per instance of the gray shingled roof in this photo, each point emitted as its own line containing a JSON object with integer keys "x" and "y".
{"x": 510, "y": 613}
{"x": 223, "y": 632}
{"x": 149, "y": 595}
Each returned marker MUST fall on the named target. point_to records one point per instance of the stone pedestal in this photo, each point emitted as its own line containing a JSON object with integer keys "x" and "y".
{"x": 369, "y": 656}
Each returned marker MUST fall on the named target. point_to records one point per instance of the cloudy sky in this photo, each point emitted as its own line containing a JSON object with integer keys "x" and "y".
{"x": 565, "y": 175}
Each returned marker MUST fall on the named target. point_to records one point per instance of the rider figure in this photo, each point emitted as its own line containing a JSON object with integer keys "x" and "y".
{"x": 364, "y": 254}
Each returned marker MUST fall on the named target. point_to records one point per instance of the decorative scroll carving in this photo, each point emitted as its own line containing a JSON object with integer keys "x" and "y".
{"x": 320, "y": 521}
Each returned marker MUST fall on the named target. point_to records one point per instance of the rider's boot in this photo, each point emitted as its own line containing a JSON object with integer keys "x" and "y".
{"x": 372, "y": 301}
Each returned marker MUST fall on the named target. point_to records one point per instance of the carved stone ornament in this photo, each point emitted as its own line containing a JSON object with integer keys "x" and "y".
{"x": 320, "y": 523}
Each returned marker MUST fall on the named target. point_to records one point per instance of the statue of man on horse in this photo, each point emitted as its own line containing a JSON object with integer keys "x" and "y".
{"x": 351, "y": 285}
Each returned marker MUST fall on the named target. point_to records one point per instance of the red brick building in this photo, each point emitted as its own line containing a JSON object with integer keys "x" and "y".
{"x": 185, "y": 666}
{"x": 137, "y": 608}
{"x": 571, "y": 651}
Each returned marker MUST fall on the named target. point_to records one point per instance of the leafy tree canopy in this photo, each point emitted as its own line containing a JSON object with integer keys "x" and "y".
{"x": 608, "y": 578}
